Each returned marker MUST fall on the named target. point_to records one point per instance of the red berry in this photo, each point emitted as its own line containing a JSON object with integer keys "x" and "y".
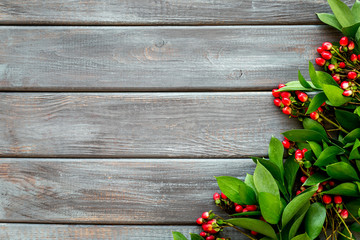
{"x": 320, "y": 50}
{"x": 211, "y": 237}
{"x": 353, "y": 57}
{"x": 331, "y": 67}
{"x": 326, "y": 55}
{"x": 344, "y": 85}
{"x": 285, "y": 94}
{"x": 314, "y": 116}
{"x": 286, "y": 101}
{"x": 203, "y": 234}
{"x": 245, "y": 210}
{"x": 324, "y": 183}
{"x": 281, "y": 85}
{"x": 320, "y": 109}
{"x": 275, "y": 93}
{"x": 303, "y": 97}
{"x": 344, "y": 214}
{"x": 254, "y": 233}
{"x": 298, "y": 155}
{"x": 338, "y": 199}
{"x": 304, "y": 151}
{"x": 320, "y": 189}
{"x": 200, "y": 221}
{"x": 331, "y": 183}
{"x": 298, "y": 192}
{"x": 207, "y": 227}
{"x": 347, "y": 93}
{"x": 326, "y": 199}
{"x": 205, "y": 215}
{"x": 351, "y": 75}
{"x": 262, "y": 219}
{"x": 359, "y": 56}
{"x": 223, "y": 196}
{"x": 216, "y": 196}
{"x": 342, "y": 65}
{"x": 303, "y": 179}
{"x": 251, "y": 208}
{"x": 277, "y": 102}
{"x": 351, "y": 45}
{"x": 326, "y": 45}
{"x": 286, "y": 144}
{"x": 336, "y": 77}
{"x": 320, "y": 61}
{"x": 344, "y": 41}
{"x": 239, "y": 209}
{"x": 286, "y": 110}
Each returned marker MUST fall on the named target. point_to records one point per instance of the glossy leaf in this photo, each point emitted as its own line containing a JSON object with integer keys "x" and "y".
{"x": 325, "y": 79}
{"x": 351, "y": 30}
{"x": 355, "y": 10}
{"x": 290, "y": 174}
{"x": 298, "y": 219}
{"x": 254, "y": 225}
{"x": 302, "y": 81}
{"x": 304, "y": 135}
{"x": 344, "y": 189}
{"x": 178, "y": 236}
{"x": 296, "y": 204}
{"x": 313, "y": 76}
{"x": 328, "y": 156}
{"x": 268, "y": 194}
{"x": 316, "y": 148}
{"x": 249, "y": 180}
{"x": 355, "y": 154}
{"x": 334, "y": 94}
{"x": 196, "y": 236}
{"x": 342, "y": 171}
{"x": 347, "y": 120}
{"x": 353, "y": 207}
{"x": 342, "y": 12}
{"x": 303, "y": 236}
{"x": 357, "y": 36}
{"x": 230, "y": 187}
{"x": 310, "y": 124}
{"x": 276, "y": 154}
{"x": 316, "y": 102}
{"x": 247, "y": 194}
{"x": 329, "y": 19}
{"x": 314, "y": 220}
{"x": 352, "y": 136}
{"x": 254, "y": 213}
{"x": 316, "y": 178}
{"x": 355, "y": 227}
{"x": 358, "y": 164}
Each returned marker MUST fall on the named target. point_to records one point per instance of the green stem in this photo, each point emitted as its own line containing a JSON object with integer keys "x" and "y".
{"x": 342, "y": 220}
{"x": 336, "y": 125}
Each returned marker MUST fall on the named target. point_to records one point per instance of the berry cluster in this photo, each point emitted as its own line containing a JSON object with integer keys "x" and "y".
{"x": 211, "y": 226}
{"x": 339, "y": 207}
{"x": 341, "y": 63}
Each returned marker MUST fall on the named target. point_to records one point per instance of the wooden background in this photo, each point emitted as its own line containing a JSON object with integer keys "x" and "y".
{"x": 116, "y": 115}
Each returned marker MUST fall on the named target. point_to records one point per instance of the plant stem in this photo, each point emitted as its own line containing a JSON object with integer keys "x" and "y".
{"x": 342, "y": 220}
{"x": 336, "y": 125}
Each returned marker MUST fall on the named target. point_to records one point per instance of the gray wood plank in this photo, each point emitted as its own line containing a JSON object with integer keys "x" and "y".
{"x": 156, "y": 58}
{"x": 139, "y": 124}
{"x": 112, "y": 191}
{"x": 98, "y": 232}
{"x": 135, "y": 12}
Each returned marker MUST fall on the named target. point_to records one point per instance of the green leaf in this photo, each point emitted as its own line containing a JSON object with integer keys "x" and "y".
{"x": 316, "y": 178}
{"x": 267, "y": 190}
{"x": 328, "y": 156}
{"x": 342, "y": 171}
{"x": 276, "y": 153}
{"x": 230, "y": 187}
{"x": 196, "y": 236}
{"x": 249, "y": 180}
{"x": 302, "y": 81}
{"x": 290, "y": 174}
{"x": 347, "y": 120}
{"x": 357, "y": 36}
{"x": 352, "y": 136}
{"x": 353, "y": 207}
{"x": 247, "y": 194}
{"x": 297, "y": 203}
{"x": 345, "y": 189}
{"x": 355, "y": 154}
{"x": 350, "y": 31}
{"x": 313, "y": 76}
{"x": 334, "y": 94}
{"x": 342, "y": 12}
{"x": 329, "y": 19}
{"x": 314, "y": 220}
{"x": 254, "y": 225}
{"x": 316, "y": 102}
{"x": 178, "y": 236}
{"x": 314, "y": 125}
{"x": 355, "y": 10}
{"x": 304, "y": 135}
{"x": 303, "y": 236}
{"x": 325, "y": 79}
{"x": 358, "y": 164}
{"x": 316, "y": 148}
{"x": 254, "y": 213}
{"x": 298, "y": 218}
{"x": 355, "y": 227}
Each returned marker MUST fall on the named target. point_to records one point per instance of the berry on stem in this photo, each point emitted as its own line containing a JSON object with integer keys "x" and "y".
{"x": 277, "y": 102}
{"x": 320, "y": 50}
{"x": 205, "y": 215}
{"x": 342, "y": 65}
{"x": 326, "y": 199}
{"x": 353, "y": 57}
{"x": 299, "y": 155}
{"x": 303, "y": 97}
{"x": 344, "y": 41}
{"x": 286, "y": 110}
{"x": 347, "y": 93}
{"x": 200, "y": 221}
{"x": 281, "y": 85}
{"x": 285, "y": 94}
{"x": 331, "y": 67}
{"x": 251, "y": 208}
{"x": 203, "y": 234}
{"x": 223, "y": 196}
{"x": 303, "y": 179}
{"x": 344, "y": 85}
{"x": 326, "y": 55}
{"x": 351, "y": 75}
{"x": 286, "y": 144}
{"x": 275, "y": 93}
{"x": 211, "y": 237}
{"x": 314, "y": 116}
{"x": 351, "y": 45}
{"x": 338, "y": 199}
{"x": 239, "y": 209}
{"x": 254, "y": 233}
{"x": 326, "y": 46}
{"x": 286, "y": 101}
{"x": 344, "y": 214}
{"x": 320, "y": 61}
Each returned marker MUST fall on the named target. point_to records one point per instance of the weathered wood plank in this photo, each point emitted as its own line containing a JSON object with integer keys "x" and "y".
{"x": 113, "y": 191}
{"x": 138, "y": 12}
{"x": 155, "y": 58}
{"x": 98, "y": 232}
{"x": 139, "y": 124}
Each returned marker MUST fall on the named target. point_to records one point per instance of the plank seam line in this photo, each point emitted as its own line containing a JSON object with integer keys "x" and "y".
{"x": 142, "y": 92}
{"x": 99, "y": 223}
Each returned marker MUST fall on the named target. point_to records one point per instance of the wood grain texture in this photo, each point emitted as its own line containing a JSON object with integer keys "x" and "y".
{"x": 99, "y": 232}
{"x": 156, "y": 58}
{"x": 112, "y": 191}
{"x": 138, "y": 12}
{"x": 139, "y": 124}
